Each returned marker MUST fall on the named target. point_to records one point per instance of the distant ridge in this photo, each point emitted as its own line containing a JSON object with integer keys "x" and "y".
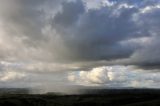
{"x": 121, "y": 91}
{"x": 94, "y": 91}
{"x": 14, "y": 91}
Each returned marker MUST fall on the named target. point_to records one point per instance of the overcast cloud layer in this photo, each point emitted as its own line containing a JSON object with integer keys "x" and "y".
{"x": 69, "y": 41}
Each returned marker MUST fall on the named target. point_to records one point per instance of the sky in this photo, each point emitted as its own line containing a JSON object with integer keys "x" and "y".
{"x": 62, "y": 44}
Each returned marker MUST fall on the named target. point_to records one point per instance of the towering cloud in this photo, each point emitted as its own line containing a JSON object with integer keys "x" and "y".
{"x": 115, "y": 76}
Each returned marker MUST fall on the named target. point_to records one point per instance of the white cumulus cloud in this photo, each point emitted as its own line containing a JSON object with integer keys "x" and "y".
{"x": 115, "y": 76}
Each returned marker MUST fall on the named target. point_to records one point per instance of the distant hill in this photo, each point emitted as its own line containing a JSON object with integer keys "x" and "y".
{"x": 120, "y": 91}
{"x": 14, "y": 91}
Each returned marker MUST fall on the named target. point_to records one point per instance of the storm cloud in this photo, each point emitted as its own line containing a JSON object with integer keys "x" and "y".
{"x": 64, "y": 36}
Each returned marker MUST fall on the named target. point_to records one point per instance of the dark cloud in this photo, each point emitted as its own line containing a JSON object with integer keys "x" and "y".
{"x": 95, "y": 35}
{"x": 151, "y": 66}
{"x": 67, "y": 31}
{"x": 58, "y": 36}
{"x": 69, "y": 15}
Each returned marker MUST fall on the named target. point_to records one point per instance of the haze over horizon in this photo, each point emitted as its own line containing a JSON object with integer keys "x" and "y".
{"x": 61, "y": 45}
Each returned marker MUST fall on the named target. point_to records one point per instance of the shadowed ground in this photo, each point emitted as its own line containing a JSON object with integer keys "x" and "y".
{"x": 141, "y": 97}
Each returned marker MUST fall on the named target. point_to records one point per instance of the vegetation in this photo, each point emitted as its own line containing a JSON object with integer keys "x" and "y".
{"x": 117, "y": 98}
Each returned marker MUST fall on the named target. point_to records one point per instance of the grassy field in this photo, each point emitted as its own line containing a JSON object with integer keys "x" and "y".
{"x": 117, "y": 98}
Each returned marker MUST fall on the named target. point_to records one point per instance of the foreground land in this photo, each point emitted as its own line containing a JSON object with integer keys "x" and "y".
{"x": 100, "y": 98}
